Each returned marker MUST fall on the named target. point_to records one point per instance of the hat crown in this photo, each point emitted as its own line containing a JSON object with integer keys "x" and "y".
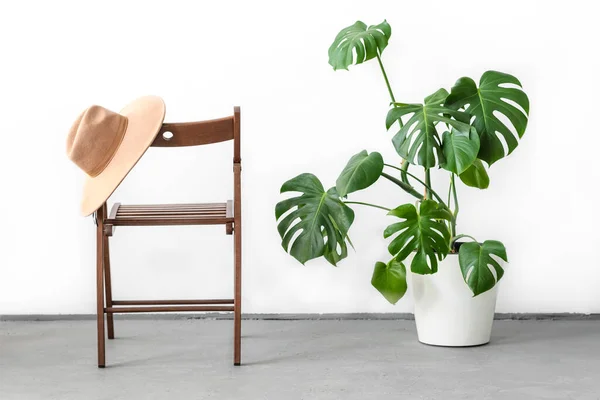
{"x": 94, "y": 139}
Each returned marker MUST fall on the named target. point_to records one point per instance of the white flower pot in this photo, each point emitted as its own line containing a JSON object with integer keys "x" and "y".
{"x": 446, "y": 313}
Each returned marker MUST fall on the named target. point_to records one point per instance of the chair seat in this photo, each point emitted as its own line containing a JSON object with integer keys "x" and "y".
{"x": 171, "y": 214}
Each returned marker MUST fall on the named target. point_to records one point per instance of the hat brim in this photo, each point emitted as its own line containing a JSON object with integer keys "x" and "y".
{"x": 144, "y": 120}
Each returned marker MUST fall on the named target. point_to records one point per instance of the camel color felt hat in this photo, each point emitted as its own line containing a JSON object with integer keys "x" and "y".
{"x": 106, "y": 145}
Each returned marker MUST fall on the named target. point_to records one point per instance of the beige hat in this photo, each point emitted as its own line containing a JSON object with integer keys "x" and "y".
{"x": 106, "y": 145}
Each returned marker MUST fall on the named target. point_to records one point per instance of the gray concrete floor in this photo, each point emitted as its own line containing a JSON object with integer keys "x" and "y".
{"x": 191, "y": 359}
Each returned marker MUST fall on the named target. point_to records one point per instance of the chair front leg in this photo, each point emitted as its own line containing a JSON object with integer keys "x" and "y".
{"x": 108, "y": 289}
{"x": 100, "y": 216}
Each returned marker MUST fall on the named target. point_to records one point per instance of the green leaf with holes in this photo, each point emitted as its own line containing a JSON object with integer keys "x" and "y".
{"x": 358, "y": 43}
{"x": 485, "y": 103}
{"x": 417, "y": 140}
{"x": 476, "y": 175}
{"x": 460, "y": 150}
{"x": 390, "y": 280}
{"x": 422, "y": 230}
{"x": 476, "y": 264}
{"x": 362, "y": 171}
{"x": 317, "y": 223}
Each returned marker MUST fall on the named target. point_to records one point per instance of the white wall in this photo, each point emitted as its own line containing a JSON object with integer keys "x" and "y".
{"x": 298, "y": 115}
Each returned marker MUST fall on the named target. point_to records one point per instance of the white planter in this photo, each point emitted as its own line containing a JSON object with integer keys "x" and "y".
{"x": 446, "y": 313}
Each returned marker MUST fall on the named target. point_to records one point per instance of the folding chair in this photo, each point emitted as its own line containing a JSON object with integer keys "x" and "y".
{"x": 228, "y": 214}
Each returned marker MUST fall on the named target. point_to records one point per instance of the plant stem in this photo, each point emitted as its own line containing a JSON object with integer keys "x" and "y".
{"x": 455, "y": 238}
{"x": 367, "y": 204}
{"x": 422, "y": 183}
{"x": 405, "y": 163}
{"x": 449, "y": 224}
{"x": 403, "y": 168}
{"x": 406, "y": 187}
{"x": 456, "y": 207}
{"x": 387, "y": 82}
{"x": 417, "y": 194}
{"x": 428, "y": 183}
{"x": 449, "y": 193}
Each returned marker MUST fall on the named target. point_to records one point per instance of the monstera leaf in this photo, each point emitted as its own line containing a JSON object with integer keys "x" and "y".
{"x": 476, "y": 264}
{"x": 460, "y": 150}
{"x": 485, "y": 103}
{"x": 318, "y": 222}
{"x": 365, "y": 41}
{"x": 476, "y": 175}
{"x": 362, "y": 171}
{"x": 390, "y": 280}
{"x": 423, "y": 230}
{"x": 418, "y": 141}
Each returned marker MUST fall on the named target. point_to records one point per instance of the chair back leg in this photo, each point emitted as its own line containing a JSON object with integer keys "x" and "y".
{"x": 237, "y": 300}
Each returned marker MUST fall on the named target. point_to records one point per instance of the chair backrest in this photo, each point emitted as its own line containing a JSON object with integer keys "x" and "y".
{"x": 181, "y": 134}
{"x": 207, "y": 132}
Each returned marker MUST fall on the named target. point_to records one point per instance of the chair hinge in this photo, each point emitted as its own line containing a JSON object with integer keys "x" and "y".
{"x": 109, "y": 229}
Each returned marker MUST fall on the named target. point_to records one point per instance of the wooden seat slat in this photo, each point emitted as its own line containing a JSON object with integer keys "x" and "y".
{"x": 171, "y": 214}
{"x": 173, "y": 206}
{"x": 207, "y": 212}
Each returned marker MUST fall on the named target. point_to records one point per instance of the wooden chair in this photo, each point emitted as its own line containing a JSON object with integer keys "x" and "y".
{"x": 228, "y": 214}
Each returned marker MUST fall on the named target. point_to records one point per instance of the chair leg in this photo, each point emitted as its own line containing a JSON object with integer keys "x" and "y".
{"x": 237, "y": 300}
{"x": 100, "y": 287}
{"x": 108, "y": 289}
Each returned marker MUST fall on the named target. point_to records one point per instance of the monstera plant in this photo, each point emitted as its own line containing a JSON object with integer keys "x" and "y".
{"x": 463, "y": 131}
